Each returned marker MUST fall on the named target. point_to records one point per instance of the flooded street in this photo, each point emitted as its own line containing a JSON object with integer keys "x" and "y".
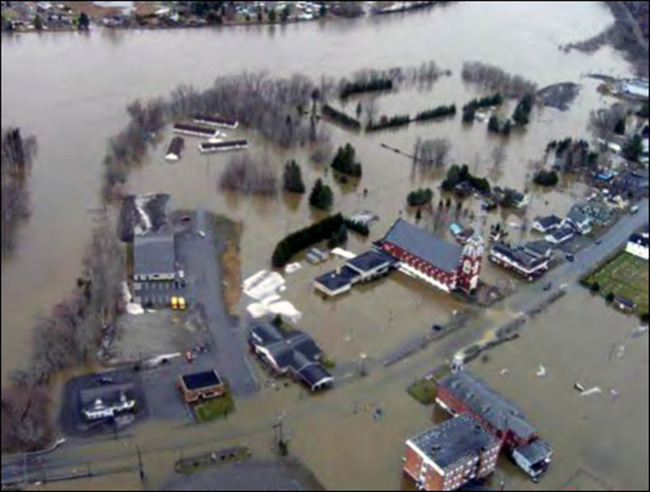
{"x": 81, "y": 103}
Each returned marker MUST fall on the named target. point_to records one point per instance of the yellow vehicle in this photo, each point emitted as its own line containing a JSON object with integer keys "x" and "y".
{"x": 174, "y": 302}
{"x": 182, "y": 304}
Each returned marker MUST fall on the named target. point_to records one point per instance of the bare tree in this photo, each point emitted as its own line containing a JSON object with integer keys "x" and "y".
{"x": 604, "y": 121}
{"x": 434, "y": 152}
{"x": 371, "y": 109}
{"x": 246, "y": 175}
{"x": 499, "y": 156}
{"x": 495, "y": 79}
{"x": 26, "y": 424}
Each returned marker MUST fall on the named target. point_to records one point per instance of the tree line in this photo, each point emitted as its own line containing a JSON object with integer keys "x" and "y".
{"x": 305, "y": 238}
{"x": 68, "y": 337}
{"x": 435, "y": 113}
{"x": 340, "y": 117}
{"x": 492, "y": 78}
{"x": 16, "y": 159}
{"x": 470, "y": 109}
{"x": 250, "y": 176}
{"x": 457, "y": 175}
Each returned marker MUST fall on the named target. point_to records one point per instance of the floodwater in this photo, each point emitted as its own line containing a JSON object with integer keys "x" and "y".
{"x": 70, "y": 89}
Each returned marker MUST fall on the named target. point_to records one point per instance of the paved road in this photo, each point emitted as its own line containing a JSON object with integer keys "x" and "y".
{"x": 199, "y": 255}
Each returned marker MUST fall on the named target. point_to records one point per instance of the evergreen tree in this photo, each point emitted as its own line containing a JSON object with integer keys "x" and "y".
{"x": 321, "y": 196}
{"x": 38, "y": 23}
{"x": 293, "y": 178}
{"x": 84, "y": 22}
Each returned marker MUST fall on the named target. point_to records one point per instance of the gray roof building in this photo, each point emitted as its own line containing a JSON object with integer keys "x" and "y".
{"x": 503, "y": 415}
{"x": 154, "y": 257}
{"x": 455, "y": 441}
{"x": 291, "y": 351}
{"x": 418, "y": 242}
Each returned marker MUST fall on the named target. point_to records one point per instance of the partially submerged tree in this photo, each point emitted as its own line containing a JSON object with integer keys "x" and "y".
{"x": 292, "y": 178}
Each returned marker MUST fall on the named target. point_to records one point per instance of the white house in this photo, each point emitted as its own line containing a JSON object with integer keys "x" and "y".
{"x": 638, "y": 245}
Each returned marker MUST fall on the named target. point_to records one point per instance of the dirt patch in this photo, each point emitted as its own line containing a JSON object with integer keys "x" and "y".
{"x": 92, "y": 10}
{"x": 230, "y": 260}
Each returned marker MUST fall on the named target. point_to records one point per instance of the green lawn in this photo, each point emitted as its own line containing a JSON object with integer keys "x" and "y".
{"x": 424, "y": 391}
{"x": 215, "y": 408}
{"x": 627, "y": 276}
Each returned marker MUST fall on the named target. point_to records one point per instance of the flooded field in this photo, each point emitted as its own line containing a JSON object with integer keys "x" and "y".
{"x": 80, "y": 104}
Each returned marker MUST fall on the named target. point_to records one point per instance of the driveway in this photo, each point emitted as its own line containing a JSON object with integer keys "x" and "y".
{"x": 199, "y": 254}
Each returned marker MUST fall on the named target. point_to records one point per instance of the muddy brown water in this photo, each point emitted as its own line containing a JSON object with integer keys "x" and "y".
{"x": 71, "y": 90}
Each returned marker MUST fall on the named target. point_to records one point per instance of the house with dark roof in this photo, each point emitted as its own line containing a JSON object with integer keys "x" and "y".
{"x": 637, "y": 245}
{"x": 194, "y": 130}
{"x": 451, "y": 455}
{"x": 520, "y": 260}
{"x": 562, "y": 235}
{"x": 432, "y": 260}
{"x": 175, "y": 149}
{"x": 462, "y": 393}
{"x": 201, "y": 386}
{"x": 154, "y": 257}
{"x": 539, "y": 249}
{"x": 579, "y": 220}
{"x": 547, "y": 224}
{"x": 362, "y": 269}
{"x": 290, "y": 352}
{"x": 216, "y": 120}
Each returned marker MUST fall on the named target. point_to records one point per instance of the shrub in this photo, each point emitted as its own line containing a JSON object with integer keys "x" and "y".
{"x": 595, "y": 288}
{"x": 345, "y": 163}
{"x": 610, "y": 297}
{"x": 420, "y": 197}
{"x": 546, "y": 178}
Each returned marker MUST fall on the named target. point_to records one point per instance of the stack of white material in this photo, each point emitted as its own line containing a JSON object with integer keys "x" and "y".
{"x": 264, "y": 287}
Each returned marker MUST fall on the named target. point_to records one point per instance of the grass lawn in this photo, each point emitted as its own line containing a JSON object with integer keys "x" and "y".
{"x": 215, "y": 408}
{"x": 424, "y": 391}
{"x": 627, "y": 276}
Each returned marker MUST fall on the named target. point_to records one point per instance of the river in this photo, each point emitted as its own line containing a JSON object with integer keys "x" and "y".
{"x": 71, "y": 89}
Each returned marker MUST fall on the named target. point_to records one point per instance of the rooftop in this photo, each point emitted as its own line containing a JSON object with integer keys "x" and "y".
{"x": 455, "y": 440}
{"x": 563, "y": 233}
{"x": 518, "y": 255}
{"x": 154, "y": 253}
{"x": 201, "y": 380}
{"x": 539, "y": 248}
{"x": 639, "y": 239}
{"x": 108, "y": 394}
{"x": 549, "y": 221}
{"x": 371, "y": 260}
{"x": 335, "y": 280}
{"x": 420, "y": 243}
{"x": 535, "y": 452}
{"x": 485, "y": 403}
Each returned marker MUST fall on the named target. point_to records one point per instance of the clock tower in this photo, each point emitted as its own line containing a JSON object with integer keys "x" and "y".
{"x": 470, "y": 264}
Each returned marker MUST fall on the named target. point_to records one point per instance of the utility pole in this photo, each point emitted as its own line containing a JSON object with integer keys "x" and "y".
{"x": 142, "y": 475}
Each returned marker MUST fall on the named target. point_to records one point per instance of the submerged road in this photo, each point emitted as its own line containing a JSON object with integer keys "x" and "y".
{"x": 109, "y": 456}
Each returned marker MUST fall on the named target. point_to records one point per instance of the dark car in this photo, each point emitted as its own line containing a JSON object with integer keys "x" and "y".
{"x": 186, "y": 218}
{"x": 599, "y": 242}
{"x": 548, "y": 286}
{"x": 570, "y": 258}
{"x": 106, "y": 380}
{"x": 437, "y": 328}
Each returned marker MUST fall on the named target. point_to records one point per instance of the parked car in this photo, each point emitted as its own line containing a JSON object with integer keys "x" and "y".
{"x": 202, "y": 233}
{"x": 599, "y": 242}
{"x": 174, "y": 303}
{"x": 106, "y": 380}
{"x": 186, "y": 218}
{"x": 570, "y": 258}
{"x": 634, "y": 210}
{"x": 182, "y": 304}
{"x": 189, "y": 356}
{"x": 548, "y": 286}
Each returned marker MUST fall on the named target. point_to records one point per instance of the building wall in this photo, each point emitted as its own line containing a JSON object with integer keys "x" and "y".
{"x": 207, "y": 393}
{"x": 505, "y": 262}
{"x": 421, "y": 269}
{"x": 420, "y": 472}
{"x": 637, "y": 250}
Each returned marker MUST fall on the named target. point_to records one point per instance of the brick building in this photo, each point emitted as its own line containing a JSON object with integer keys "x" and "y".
{"x": 451, "y": 455}
{"x": 201, "y": 386}
{"x": 462, "y": 393}
{"x": 446, "y": 266}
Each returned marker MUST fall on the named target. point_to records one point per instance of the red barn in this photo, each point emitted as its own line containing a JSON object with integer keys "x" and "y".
{"x": 443, "y": 265}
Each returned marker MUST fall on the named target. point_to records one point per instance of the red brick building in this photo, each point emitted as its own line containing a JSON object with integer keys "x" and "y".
{"x": 462, "y": 393}
{"x": 451, "y": 455}
{"x": 443, "y": 265}
{"x": 201, "y": 386}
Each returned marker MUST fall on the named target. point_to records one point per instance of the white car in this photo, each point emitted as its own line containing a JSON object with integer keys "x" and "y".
{"x": 202, "y": 233}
